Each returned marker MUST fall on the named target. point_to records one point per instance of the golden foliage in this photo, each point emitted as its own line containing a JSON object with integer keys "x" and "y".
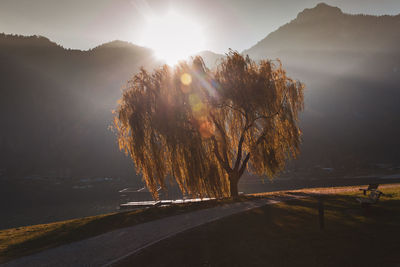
{"x": 193, "y": 125}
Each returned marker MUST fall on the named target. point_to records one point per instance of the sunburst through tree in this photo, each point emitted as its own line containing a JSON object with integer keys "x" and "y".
{"x": 204, "y": 128}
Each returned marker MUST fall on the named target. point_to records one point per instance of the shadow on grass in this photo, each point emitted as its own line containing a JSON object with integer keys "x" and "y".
{"x": 56, "y": 234}
{"x": 288, "y": 234}
{"x": 293, "y": 222}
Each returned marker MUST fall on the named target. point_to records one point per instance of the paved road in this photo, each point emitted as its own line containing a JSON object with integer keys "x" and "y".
{"x": 111, "y": 247}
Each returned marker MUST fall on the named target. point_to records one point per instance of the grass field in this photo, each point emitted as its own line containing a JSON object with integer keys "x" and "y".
{"x": 21, "y": 241}
{"x": 288, "y": 234}
{"x": 282, "y": 234}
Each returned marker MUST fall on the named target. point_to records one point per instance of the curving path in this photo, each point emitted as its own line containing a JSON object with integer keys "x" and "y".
{"x": 109, "y": 248}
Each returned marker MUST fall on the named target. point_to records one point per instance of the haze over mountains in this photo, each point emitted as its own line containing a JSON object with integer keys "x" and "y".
{"x": 324, "y": 39}
{"x": 55, "y": 103}
{"x": 350, "y": 65}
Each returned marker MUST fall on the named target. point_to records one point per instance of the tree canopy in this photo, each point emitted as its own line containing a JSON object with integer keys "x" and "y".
{"x": 203, "y": 128}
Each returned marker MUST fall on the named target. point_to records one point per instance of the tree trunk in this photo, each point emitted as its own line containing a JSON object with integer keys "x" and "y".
{"x": 233, "y": 185}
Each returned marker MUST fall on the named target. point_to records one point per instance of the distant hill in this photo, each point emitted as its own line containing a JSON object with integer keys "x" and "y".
{"x": 324, "y": 39}
{"x": 326, "y": 28}
{"x": 351, "y": 67}
{"x": 210, "y": 58}
{"x": 55, "y": 106}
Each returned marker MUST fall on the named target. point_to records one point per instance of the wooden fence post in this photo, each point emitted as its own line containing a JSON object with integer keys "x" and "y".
{"x": 321, "y": 212}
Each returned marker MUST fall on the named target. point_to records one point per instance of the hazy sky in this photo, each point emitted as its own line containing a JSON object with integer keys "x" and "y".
{"x": 226, "y": 24}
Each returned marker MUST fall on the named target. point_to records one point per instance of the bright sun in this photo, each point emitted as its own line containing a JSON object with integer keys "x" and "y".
{"x": 173, "y": 37}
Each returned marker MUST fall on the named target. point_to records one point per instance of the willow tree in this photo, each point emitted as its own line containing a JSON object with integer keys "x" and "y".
{"x": 204, "y": 128}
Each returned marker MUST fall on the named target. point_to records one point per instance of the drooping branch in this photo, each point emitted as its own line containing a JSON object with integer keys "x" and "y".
{"x": 223, "y": 135}
{"x": 273, "y": 114}
{"x": 266, "y": 117}
{"x": 231, "y": 107}
{"x": 223, "y": 163}
{"x": 239, "y": 154}
{"x": 244, "y": 164}
{"x": 240, "y": 146}
{"x": 260, "y": 138}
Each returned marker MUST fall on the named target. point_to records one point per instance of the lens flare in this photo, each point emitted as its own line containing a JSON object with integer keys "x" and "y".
{"x": 186, "y": 79}
{"x": 194, "y": 100}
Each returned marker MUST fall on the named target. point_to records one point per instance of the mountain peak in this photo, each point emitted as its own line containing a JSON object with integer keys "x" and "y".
{"x": 324, "y": 6}
{"x": 116, "y": 44}
{"x": 321, "y": 10}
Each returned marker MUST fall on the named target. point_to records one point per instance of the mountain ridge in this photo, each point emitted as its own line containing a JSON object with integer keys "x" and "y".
{"x": 322, "y": 18}
{"x": 320, "y": 11}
